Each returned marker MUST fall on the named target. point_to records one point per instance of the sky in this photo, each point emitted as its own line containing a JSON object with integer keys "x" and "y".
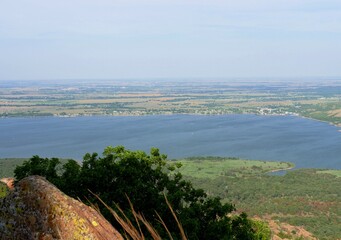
{"x": 112, "y": 39}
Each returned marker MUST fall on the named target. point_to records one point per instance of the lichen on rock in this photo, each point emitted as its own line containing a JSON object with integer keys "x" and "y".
{"x": 36, "y": 209}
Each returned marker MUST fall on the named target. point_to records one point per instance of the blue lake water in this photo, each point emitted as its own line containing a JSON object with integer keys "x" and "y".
{"x": 305, "y": 142}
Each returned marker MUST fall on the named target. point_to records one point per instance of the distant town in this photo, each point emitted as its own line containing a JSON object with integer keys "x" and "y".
{"x": 320, "y": 100}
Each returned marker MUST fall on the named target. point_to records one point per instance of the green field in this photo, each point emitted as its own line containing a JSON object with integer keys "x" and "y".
{"x": 305, "y": 197}
{"x": 336, "y": 173}
{"x": 7, "y": 166}
{"x": 213, "y": 167}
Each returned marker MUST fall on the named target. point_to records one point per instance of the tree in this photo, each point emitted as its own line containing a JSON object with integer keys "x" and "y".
{"x": 145, "y": 179}
{"x": 37, "y": 166}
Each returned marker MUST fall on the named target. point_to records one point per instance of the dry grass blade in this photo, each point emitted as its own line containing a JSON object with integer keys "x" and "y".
{"x": 130, "y": 229}
{"x": 149, "y": 227}
{"x": 135, "y": 215}
{"x": 96, "y": 207}
{"x": 125, "y": 223}
{"x": 183, "y": 235}
{"x": 165, "y": 226}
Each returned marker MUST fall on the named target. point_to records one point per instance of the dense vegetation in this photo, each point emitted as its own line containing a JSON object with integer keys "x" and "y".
{"x": 145, "y": 179}
{"x": 303, "y": 197}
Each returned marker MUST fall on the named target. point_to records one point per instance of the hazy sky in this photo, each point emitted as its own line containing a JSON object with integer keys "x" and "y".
{"x": 64, "y": 39}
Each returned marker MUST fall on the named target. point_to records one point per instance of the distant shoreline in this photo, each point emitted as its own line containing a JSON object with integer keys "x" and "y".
{"x": 338, "y": 125}
{"x": 283, "y": 169}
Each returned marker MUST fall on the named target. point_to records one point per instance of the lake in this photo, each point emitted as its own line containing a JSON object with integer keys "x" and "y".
{"x": 305, "y": 142}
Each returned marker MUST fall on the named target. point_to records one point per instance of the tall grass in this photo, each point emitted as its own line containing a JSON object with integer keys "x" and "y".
{"x": 135, "y": 233}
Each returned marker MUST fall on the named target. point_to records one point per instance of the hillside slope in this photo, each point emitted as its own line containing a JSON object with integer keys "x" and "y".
{"x": 305, "y": 198}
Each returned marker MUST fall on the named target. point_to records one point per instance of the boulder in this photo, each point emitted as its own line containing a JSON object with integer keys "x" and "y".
{"x": 36, "y": 209}
{"x": 8, "y": 181}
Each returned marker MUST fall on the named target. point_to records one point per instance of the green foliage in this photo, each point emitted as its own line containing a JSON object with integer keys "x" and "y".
{"x": 3, "y": 190}
{"x": 144, "y": 178}
{"x": 8, "y": 165}
{"x": 262, "y": 230}
{"x": 38, "y": 166}
{"x": 243, "y": 227}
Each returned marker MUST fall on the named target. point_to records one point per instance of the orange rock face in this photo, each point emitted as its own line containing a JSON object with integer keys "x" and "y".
{"x": 36, "y": 209}
{"x": 8, "y": 181}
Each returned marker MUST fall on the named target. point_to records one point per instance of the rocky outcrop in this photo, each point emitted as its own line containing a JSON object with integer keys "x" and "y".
{"x": 8, "y": 181}
{"x": 36, "y": 209}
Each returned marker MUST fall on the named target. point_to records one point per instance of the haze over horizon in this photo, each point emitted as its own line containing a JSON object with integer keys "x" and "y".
{"x": 169, "y": 39}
